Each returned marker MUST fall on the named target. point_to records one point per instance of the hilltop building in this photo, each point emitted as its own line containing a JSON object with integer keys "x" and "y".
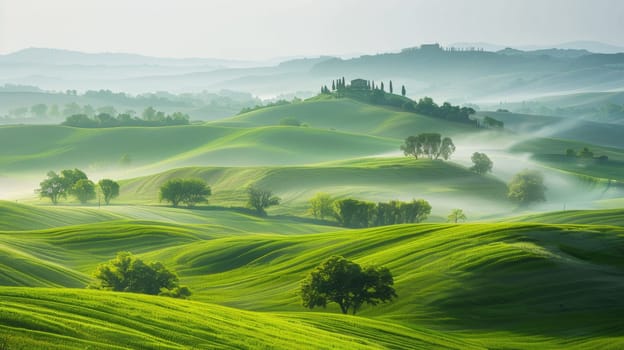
{"x": 359, "y": 84}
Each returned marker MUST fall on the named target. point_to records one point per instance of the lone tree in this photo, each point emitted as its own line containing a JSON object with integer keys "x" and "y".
{"x": 84, "y": 190}
{"x": 187, "y": 191}
{"x": 321, "y": 205}
{"x": 456, "y": 215}
{"x": 53, "y": 187}
{"x": 390, "y": 87}
{"x": 110, "y": 189}
{"x": 127, "y": 273}
{"x": 482, "y": 163}
{"x": 346, "y": 283}
{"x": 259, "y": 199}
{"x": 430, "y": 145}
{"x": 527, "y": 187}
{"x": 403, "y": 90}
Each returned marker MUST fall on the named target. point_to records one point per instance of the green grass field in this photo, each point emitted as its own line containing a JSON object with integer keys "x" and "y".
{"x": 545, "y": 280}
{"x": 471, "y": 285}
{"x": 349, "y": 116}
{"x": 444, "y": 184}
{"x": 589, "y": 217}
{"x": 57, "y": 147}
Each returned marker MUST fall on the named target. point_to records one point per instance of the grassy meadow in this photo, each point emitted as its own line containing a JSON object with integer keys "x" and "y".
{"x": 510, "y": 277}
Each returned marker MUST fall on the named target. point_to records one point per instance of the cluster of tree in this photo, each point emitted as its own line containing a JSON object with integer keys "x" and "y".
{"x": 187, "y": 191}
{"x": 91, "y": 103}
{"x": 481, "y": 163}
{"x": 346, "y": 283}
{"x": 491, "y": 123}
{"x": 357, "y": 214}
{"x": 370, "y": 92}
{"x": 127, "y": 273}
{"x": 430, "y": 145}
{"x": 75, "y": 183}
{"x": 54, "y": 111}
{"x": 585, "y": 153}
{"x": 150, "y": 117}
{"x": 527, "y": 187}
{"x": 339, "y": 85}
{"x": 427, "y": 106}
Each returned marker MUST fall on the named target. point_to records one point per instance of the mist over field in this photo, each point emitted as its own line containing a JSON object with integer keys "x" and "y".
{"x": 311, "y": 174}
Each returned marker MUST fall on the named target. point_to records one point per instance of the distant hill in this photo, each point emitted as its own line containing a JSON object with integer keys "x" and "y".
{"x": 48, "y": 56}
{"x": 457, "y": 74}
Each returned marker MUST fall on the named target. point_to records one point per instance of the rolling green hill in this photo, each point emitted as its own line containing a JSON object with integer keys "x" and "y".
{"x": 591, "y": 217}
{"x": 14, "y": 216}
{"x": 41, "y": 148}
{"x": 472, "y": 285}
{"x": 350, "y": 116}
{"x": 444, "y": 184}
{"x": 83, "y": 319}
{"x": 551, "y": 152}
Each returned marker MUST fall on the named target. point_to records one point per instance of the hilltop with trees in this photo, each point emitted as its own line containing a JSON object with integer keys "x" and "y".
{"x": 369, "y": 91}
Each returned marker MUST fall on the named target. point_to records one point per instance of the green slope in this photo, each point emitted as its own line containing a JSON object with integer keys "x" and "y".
{"x": 14, "y": 216}
{"x": 490, "y": 285}
{"x": 551, "y": 152}
{"x": 83, "y": 319}
{"x": 350, "y": 116}
{"x": 591, "y": 217}
{"x": 444, "y": 184}
{"x": 21, "y": 217}
{"x": 40, "y": 148}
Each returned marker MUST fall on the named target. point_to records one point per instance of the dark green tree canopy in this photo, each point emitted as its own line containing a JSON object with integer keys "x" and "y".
{"x": 481, "y": 163}
{"x": 187, "y": 191}
{"x": 430, "y": 145}
{"x": 259, "y": 199}
{"x": 58, "y": 186}
{"x": 71, "y": 177}
{"x": 321, "y": 205}
{"x": 346, "y": 283}
{"x": 127, "y": 273}
{"x": 354, "y": 213}
{"x": 84, "y": 190}
{"x": 527, "y": 187}
{"x": 358, "y": 214}
{"x": 110, "y": 189}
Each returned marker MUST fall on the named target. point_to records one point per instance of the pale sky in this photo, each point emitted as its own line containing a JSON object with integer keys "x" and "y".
{"x": 254, "y": 29}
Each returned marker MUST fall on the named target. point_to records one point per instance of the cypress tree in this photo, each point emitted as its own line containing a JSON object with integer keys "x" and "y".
{"x": 403, "y": 90}
{"x": 390, "y": 87}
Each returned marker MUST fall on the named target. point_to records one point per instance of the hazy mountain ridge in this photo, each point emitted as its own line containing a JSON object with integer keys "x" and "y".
{"x": 455, "y": 74}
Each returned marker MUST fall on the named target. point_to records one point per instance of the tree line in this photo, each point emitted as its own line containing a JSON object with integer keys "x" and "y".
{"x": 430, "y": 145}
{"x": 149, "y": 117}
{"x": 355, "y": 213}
